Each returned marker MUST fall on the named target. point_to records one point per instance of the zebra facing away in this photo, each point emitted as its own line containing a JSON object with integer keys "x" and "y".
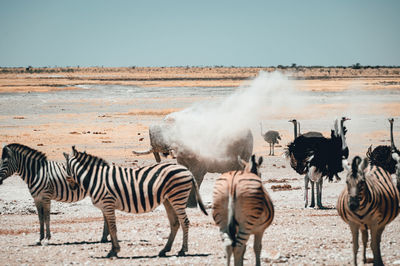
{"x": 46, "y": 181}
{"x": 241, "y": 207}
{"x": 135, "y": 190}
{"x": 369, "y": 202}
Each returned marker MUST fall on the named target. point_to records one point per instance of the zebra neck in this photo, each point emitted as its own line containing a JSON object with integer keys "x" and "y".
{"x": 30, "y": 169}
{"x": 88, "y": 171}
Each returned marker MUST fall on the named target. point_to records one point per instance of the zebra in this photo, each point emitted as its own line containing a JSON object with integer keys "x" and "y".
{"x": 241, "y": 207}
{"x": 135, "y": 190}
{"x": 46, "y": 181}
{"x": 369, "y": 202}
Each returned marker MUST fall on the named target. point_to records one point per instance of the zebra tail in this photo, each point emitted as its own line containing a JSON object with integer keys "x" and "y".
{"x": 198, "y": 197}
{"x": 232, "y": 223}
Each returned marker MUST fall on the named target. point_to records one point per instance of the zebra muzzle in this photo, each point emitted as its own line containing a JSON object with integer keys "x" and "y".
{"x": 353, "y": 204}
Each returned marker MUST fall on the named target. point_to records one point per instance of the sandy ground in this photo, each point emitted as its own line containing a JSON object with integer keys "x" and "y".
{"x": 298, "y": 236}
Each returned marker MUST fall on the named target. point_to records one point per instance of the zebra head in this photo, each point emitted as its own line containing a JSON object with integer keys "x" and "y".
{"x": 8, "y": 164}
{"x": 73, "y": 184}
{"x": 253, "y": 166}
{"x": 355, "y": 181}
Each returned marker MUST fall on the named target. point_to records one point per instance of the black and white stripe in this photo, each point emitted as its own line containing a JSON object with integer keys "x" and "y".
{"x": 369, "y": 202}
{"x": 136, "y": 190}
{"x": 242, "y": 207}
{"x": 46, "y": 181}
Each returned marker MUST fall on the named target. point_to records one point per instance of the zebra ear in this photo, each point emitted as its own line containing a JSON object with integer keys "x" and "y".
{"x": 66, "y": 155}
{"x": 242, "y": 162}
{"x": 7, "y": 150}
{"x": 74, "y": 151}
{"x": 260, "y": 160}
{"x": 363, "y": 164}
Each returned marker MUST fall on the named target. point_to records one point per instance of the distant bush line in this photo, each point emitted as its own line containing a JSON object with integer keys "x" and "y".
{"x": 296, "y": 67}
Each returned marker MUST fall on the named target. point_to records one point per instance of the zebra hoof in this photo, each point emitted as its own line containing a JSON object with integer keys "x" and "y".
{"x": 45, "y": 242}
{"x": 39, "y": 243}
{"x": 112, "y": 254}
{"x": 162, "y": 253}
{"x": 104, "y": 240}
{"x": 181, "y": 253}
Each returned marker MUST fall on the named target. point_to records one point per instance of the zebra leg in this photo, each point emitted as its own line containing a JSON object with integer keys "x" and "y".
{"x": 354, "y": 232}
{"x": 364, "y": 234}
{"x": 257, "y": 247}
{"x": 109, "y": 214}
{"x": 376, "y": 234}
{"x": 319, "y": 193}
{"x": 46, "y": 218}
{"x": 180, "y": 212}
{"x": 174, "y": 225}
{"x": 39, "y": 207}
{"x": 306, "y": 180}
{"x": 238, "y": 253}
{"x": 105, "y": 232}
{"x": 228, "y": 250}
{"x": 312, "y": 205}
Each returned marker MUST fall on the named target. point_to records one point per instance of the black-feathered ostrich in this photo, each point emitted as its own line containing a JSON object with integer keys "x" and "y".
{"x": 382, "y": 154}
{"x": 387, "y": 157}
{"x": 272, "y": 137}
{"x": 318, "y": 157}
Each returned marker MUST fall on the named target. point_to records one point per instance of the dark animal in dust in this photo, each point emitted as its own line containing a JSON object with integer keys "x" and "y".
{"x": 272, "y": 137}
{"x": 162, "y": 142}
{"x": 46, "y": 180}
{"x": 136, "y": 190}
{"x": 369, "y": 202}
{"x": 241, "y": 207}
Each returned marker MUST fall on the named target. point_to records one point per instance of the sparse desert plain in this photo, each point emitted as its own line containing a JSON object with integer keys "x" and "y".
{"x": 107, "y": 112}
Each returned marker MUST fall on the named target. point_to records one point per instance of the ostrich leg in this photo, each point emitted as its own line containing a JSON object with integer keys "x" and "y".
{"x": 312, "y": 205}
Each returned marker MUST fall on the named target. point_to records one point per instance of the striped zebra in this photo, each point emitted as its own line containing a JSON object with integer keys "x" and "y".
{"x": 46, "y": 181}
{"x": 369, "y": 202}
{"x": 135, "y": 190}
{"x": 241, "y": 207}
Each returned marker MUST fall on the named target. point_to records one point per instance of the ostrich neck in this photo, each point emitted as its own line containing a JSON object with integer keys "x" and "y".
{"x": 344, "y": 145}
{"x": 391, "y": 136}
{"x": 295, "y": 130}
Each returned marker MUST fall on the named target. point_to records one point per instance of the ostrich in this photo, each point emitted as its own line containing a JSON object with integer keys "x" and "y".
{"x": 272, "y": 137}
{"x": 317, "y": 157}
{"x": 316, "y": 134}
{"x": 382, "y": 155}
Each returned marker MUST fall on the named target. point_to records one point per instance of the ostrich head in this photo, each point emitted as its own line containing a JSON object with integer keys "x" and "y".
{"x": 355, "y": 181}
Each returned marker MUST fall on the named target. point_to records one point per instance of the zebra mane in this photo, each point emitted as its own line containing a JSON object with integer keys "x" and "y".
{"x": 81, "y": 156}
{"x": 22, "y": 149}
{"x": 354, "y": 166}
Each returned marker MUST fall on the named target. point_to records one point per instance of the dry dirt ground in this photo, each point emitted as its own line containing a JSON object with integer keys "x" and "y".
{"x": 297, "y": 236}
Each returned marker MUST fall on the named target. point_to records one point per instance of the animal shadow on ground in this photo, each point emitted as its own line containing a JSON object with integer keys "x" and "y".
{"x": 153, "y": 257}
{"x": 71, "y": 243}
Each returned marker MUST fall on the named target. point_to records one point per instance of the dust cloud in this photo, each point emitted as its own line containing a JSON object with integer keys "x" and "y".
{"x": 206, "y": 128}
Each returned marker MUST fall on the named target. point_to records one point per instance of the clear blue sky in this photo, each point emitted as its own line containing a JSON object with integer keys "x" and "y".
{"x": 199, "y": 33}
